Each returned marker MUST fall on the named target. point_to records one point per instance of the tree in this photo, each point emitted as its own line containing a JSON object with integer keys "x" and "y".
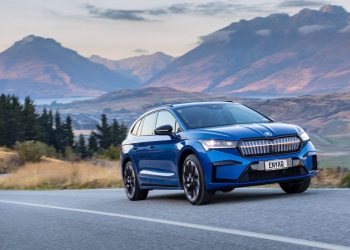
{"x": 123, "y": 131}
{"x": 68, "y": 135}
{"x": 115, "y": 133}
{"x": 81, "y": 147}
{"x": 58, "y": 133}
{"x": 104, "y": 133}
{"x": 51, "y": 131}
{"x": 10, "y": 120}
{"x": 93, "y": 146}
{"x": 45, "y": 127}
{"x": 29, "y": 122}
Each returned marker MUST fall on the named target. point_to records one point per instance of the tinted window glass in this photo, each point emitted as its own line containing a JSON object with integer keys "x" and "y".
{"x": 140, "y": 127}
{"x": 166, "y": 118}
{"x": 213, "y": 115}
{"x": 148, "y": 124}
{"x": 135, "y": 128}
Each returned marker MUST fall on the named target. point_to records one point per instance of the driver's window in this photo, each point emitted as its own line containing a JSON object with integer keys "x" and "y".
{"x": 166, "y": 118}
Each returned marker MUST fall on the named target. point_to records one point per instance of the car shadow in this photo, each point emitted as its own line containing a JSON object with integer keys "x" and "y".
{"x": 236, "y": 196}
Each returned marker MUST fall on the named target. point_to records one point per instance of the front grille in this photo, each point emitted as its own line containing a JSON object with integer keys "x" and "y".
{"x": 255, "y": 175}
{"x": 269, "y": 146}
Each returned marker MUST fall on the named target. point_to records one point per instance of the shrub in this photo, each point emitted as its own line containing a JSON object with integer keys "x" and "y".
{"x": 69, "y": 154}
{"x": 33, "y": 151}
{"x": 112, "y": 153}
{"x": 346, "y": 181}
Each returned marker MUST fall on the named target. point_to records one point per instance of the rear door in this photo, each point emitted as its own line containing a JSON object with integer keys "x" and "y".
{"x": 142, "y": 148}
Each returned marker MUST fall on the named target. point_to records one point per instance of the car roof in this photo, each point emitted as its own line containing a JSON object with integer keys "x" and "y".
{"x": 189, "y": 104}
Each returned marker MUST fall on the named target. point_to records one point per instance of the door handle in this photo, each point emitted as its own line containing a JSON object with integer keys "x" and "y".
{"x": 151, "y": 147}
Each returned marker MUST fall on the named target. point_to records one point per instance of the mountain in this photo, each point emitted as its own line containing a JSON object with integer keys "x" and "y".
{"x": 306, "y": 53}
{"x": 142, "y": 68}
{"x": 41, "y": 67}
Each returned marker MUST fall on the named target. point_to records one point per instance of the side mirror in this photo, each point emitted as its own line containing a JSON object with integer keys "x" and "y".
{"x": 164, "y": 130}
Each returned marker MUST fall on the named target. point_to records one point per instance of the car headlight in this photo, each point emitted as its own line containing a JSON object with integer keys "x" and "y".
{"x": 304, "y": 136}
{"x": 216, "y": 144}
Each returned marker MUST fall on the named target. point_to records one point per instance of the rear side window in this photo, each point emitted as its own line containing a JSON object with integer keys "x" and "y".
{"x": 149, "y": 124}
{"x": 136, "y": 127}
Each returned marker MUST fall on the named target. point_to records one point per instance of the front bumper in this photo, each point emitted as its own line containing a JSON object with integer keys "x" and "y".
{"x": 227, "y": 168}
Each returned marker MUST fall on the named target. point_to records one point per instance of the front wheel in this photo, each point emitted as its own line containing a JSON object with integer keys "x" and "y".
{"x": 295, "y": 187}
{"x": 193, "y": 182}
{"x": 131, "y": 184}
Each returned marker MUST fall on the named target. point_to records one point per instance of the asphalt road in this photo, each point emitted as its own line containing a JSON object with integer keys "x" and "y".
{"x": 242, "y": 219}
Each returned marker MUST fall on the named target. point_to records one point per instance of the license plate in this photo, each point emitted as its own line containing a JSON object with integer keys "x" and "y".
{"x": 275, "y": 165}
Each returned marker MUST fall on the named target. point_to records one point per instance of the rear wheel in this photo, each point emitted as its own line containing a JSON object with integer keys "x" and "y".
{"x": 131, "y": 184}
{"x": 193, "y": 182}
{"x": 295, "y": 186}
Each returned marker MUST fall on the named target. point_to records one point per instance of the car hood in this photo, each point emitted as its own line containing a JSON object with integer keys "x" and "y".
{"x": 243, "y": 131}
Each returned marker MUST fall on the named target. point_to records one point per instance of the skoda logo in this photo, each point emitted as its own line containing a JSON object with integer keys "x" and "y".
{"x": 268, "y": 134}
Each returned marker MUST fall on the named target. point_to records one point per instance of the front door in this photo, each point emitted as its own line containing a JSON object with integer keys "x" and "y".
{"x": 158, "y": 153}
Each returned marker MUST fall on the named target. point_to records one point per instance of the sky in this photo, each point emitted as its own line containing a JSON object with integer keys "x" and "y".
{"x": 118, "y": 29}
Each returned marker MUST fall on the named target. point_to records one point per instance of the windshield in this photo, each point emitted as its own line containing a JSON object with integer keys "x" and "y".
{"x": 219, "y": 114}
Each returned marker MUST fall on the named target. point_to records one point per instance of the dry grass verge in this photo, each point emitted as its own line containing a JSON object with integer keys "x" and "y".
{"x": 330, "y": 177}
{"x": 56, "y": 174}
{"x": 9, "y": 160}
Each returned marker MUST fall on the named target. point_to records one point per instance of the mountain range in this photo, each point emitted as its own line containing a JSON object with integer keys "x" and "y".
{"x": 306, "y": 53}
{"x": 277, "y": 55}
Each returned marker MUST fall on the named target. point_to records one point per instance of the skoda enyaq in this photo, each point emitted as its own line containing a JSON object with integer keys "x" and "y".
{"x": 213, "y": 146}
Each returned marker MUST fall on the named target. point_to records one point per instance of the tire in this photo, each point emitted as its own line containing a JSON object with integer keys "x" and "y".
{"x": 193, "y": 182}
{"x": 296, "y": 186}
{"x": 131, "y": 184}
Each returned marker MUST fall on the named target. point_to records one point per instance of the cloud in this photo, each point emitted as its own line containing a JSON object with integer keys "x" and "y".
{"x": 127, "y": 15}
{"x": 207, "y": 9}
{"x": 263, "y": 32}
{"x": 141, "y": 51}
{"x": 307, "y": 29}
{"x": 302, "y": 3}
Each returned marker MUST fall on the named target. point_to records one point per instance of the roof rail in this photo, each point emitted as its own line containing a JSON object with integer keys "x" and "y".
{"x": 166, "y": 105}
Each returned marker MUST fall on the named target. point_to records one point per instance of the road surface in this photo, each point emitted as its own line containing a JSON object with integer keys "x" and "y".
{"x": 243, "y": 219}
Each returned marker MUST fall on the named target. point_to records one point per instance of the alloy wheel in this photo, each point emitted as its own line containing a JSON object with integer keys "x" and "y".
{"x": 129, "y": 180}
{"x": 190, "y": 178}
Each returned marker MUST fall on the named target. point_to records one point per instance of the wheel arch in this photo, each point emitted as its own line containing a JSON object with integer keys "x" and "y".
{"x": 186, "y": 152}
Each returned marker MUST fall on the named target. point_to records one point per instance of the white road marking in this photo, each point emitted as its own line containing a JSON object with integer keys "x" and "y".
{"x": 283, "y": 239}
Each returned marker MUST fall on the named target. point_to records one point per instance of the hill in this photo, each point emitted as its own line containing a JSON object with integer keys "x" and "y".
{"x": 142, "y": 68}
{"x": 42, "y": 67}
{"x": 307, "y": 53}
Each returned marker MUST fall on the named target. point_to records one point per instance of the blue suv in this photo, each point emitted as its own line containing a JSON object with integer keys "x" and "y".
{"x": 213, "y": 146}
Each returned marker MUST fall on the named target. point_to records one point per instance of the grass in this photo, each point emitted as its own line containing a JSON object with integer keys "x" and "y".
{"x": 9, "y": 160}
{"x": 56, "y": 174}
